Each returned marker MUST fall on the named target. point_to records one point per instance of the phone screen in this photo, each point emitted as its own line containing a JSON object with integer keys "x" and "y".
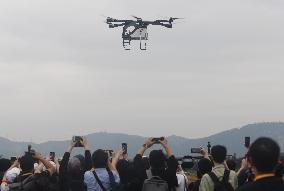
{"x": 247, "y": 142}
{"x": 124, "y": 148}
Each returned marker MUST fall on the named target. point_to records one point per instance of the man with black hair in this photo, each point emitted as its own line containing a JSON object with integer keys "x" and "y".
{"x": 161, "y": 166}
{"x": 263, "y": 156}
{"x": 219, "y": 172}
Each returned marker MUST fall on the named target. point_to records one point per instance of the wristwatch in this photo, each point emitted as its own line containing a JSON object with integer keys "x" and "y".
{"x": 145, "y": 146}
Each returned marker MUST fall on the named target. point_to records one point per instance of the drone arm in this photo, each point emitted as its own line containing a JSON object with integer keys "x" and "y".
{"x": 164, "y": 23}
{"x": 111, "y": 25}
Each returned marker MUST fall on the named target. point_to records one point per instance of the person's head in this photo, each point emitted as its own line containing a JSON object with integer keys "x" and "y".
{"x": 27, "y": 163}
{"x": 231, "y": 164}
{"x": 75, "y": 166}
{"x": 100, "y": 159}
{"x": 122, "y": 167}
{"x": 218, "y": 153}
{"x": 263, "y": 154}
{"x": 4, "y": 164}
{"x": 157, "y": 159}
{"x": 204, "y": 166}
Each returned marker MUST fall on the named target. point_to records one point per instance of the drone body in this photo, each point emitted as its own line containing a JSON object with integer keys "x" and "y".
{"x": 136, "y": 29}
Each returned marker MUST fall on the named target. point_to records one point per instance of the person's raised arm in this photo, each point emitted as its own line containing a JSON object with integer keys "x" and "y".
{"x": 244, "y": 165}
{"x": 57, "y": 164}
{"x": 204, "y": 152}
{"x": 45, "y": 162}
{"x": 65, "y": 160}
{"x": 71, "y": 146}
{"x": 88, "y": 157}
{"x": 115, "y": 159}
{"x": 148, "y": 143}
{"x": 165, "y": 145}
{"x": 172, "y": 165}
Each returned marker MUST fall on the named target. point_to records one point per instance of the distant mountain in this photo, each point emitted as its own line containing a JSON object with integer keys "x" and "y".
{"x": 233, "y": 139}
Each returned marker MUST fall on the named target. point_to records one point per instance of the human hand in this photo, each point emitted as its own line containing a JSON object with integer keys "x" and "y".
{"x": 72, "y": 144}
{"x": 244, "y": 163}
{"x": 37, "y": 155}
{"x": 84, "y": 142}
{"x": 164, "y": 142}
{"x": 149, "y": 142}
{"x": 118, "y": 153}
{"x": 203, "y": 151}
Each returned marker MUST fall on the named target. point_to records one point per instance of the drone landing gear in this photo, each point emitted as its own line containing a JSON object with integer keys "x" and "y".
{"x": 143, "y": 46}
{"x": 126, "y": 44}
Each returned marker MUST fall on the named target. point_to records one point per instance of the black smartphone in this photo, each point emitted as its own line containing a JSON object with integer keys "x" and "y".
{"x": 124, "y": 148}
{"x": 77, "y": 139}
{"x": 52, "y": 155}
{"x": 247, "y": 142}
{"x": 195, "y": 150}
{"x": 158, "y": 139}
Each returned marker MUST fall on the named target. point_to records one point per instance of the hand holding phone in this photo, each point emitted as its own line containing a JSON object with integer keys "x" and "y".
{"x": 157, "y": 140}
{"x": 77, "y": 140}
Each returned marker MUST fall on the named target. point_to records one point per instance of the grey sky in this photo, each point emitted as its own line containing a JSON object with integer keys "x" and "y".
{"x": 63, "y": 72}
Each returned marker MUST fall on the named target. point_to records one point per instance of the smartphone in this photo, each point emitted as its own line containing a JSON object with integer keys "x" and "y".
{"x": 195, "y": 150}
{"x": 247, "y": 142}
{"x": 77, "y": 139}
{"x": 158, "y": 139}
{"x": 52, "y": 155}
{"x": 124, "y": 148}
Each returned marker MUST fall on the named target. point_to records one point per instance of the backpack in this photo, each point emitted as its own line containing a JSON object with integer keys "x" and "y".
{"x": 155, "y": 184}
{"x": 223, "y": 185}
{"x": 31, "y": 183}
{"x": 27, "y": 184}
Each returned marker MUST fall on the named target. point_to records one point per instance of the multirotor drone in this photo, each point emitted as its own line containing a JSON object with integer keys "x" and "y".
{"x": 137, "y": 29}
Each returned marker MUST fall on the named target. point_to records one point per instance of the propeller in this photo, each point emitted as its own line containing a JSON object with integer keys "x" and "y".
{"x": 138, "y": 18}
{"x": 172, "y": 19}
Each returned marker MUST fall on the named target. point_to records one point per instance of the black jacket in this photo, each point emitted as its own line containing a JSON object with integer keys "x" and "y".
{"x": 66, "y": 181}
{"x": 264, "y": 184}
{"x": 168, "y": 174}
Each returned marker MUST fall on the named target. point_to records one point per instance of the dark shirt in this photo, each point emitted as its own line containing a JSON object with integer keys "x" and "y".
{"x": 67, "y": 183}
{"x": 264, "y": 184}
{"x": 168, "y": 174}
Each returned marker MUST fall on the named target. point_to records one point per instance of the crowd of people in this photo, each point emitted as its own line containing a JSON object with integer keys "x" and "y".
{"x": 260, "y": 170}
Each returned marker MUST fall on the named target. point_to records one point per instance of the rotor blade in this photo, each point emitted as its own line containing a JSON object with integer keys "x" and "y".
{"x": 135, "y": 17}
{"x": 175, "y": 18}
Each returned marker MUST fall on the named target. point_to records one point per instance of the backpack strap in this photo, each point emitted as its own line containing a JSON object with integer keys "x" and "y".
{"x": 213, "y": 177}
{"x": 111, "y": 178}
{"x": 226, "y": 176}
{"x": 99, "y": 181}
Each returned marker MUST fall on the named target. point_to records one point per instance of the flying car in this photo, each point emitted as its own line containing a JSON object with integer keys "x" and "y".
{"x": 137, "y": 29}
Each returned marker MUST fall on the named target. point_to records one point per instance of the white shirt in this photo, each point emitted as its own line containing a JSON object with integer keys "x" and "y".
{"x": 182, "y": 181}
